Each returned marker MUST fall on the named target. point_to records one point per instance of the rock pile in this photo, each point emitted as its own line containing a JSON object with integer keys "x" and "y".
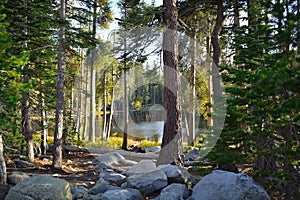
{"x": 140, "y": 180}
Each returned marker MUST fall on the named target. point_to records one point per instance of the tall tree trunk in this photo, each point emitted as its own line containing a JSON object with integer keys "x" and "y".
{"x": 84, "y": 133}
{"x": 26, "y": 122}
{"x": 92, "y": 127}
{"x": 59, "y": 117}
{"x": 172, "y": 135}
{"x": 104, "y": 105}
{"x": 125, "y": 107}
{"x": 125, "y": 110}
{"x": 92, "y": 100}
{"x": 111, "y": 105}
{"x": 192, "y": 124}
{"x": 79, "y": 113}
{"x": 209, "y": 89}
{"x": 3, "y": 174}
{"x": 216, "y": 80}
{"x": 44, "y": 134}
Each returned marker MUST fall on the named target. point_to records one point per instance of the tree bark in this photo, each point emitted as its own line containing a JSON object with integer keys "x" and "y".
{"x": 111, "y": 105}
{"x": 59, "y": 117}
{"x": 84, "y": 133}
{"x": 104, "y": 131}
{"x": 44, "y": 134}
{"x": 192, "y": 124}
{"x": 216, "y": 79}
{"x": 172, "y": 135}
{"x": 26, "y": 122}
{"x": 3, "y": 174}
{"x": 25, "y": 110}
{"x": 79, "y": 114}
{"x": 125, "y": 107}
{"x": 92, "y": 101}
{"x": 125, "y": 111}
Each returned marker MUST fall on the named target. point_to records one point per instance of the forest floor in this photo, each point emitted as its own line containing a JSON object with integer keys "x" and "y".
{"x": 78, "y": 168}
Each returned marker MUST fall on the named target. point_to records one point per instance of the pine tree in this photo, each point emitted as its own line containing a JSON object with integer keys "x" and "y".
{"x": 172, "y": 136}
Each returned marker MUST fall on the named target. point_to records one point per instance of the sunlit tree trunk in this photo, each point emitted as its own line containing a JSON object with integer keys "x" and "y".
{"x": 104, "y": 130}
{"x": 85, "y": 127}
{"x": 3, "y": 174}
{"x": 111, "y": 105}
{"x": 59, "y": 118}
{"x": 172, "y": 135}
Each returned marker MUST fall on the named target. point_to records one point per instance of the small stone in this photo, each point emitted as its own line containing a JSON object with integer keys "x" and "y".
{"x": 142, "y": 166}
{"x": 174, "y": 191}
{"x": 16, "y": 177}
{"x": 122, "y": 194}
{"x": 22, "y": 163}
{"x": 148, "y": 182}
{"x": 112, "y": 176}
{"x": 100, "y": 187}
{"x": 174, "y": 173}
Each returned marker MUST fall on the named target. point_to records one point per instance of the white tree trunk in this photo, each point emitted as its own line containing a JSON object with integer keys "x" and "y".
{"x": 84, "y": 133}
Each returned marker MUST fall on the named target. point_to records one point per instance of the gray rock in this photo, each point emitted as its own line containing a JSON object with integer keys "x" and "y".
{"x": 148, "y": 182}
{"x": 16, "y": 177}
{"x": 78, "y": 192}
{"x": 3, "y": 191}
{"x": 41, "y": 157}
{"x": 22, "y": 163}
{"x": 175, "y": 174}
{"x": 174, "y": 191}
{"x": 122, "y": 194}
{"x": 112, "y": 176}
{"x": 40, "y": 187}
{"x": 193, "y": 155}
{"x": 152, "y": 149}
{"x": 82, "y": 193}
{"x": 100, "y": 187}
{"x": 94, "y": 197}
{"x": 228, "y": 186}
{"x": 193, "y": 180}
{"x": 111, "y": 159}
{"x": 142, "y": 167}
